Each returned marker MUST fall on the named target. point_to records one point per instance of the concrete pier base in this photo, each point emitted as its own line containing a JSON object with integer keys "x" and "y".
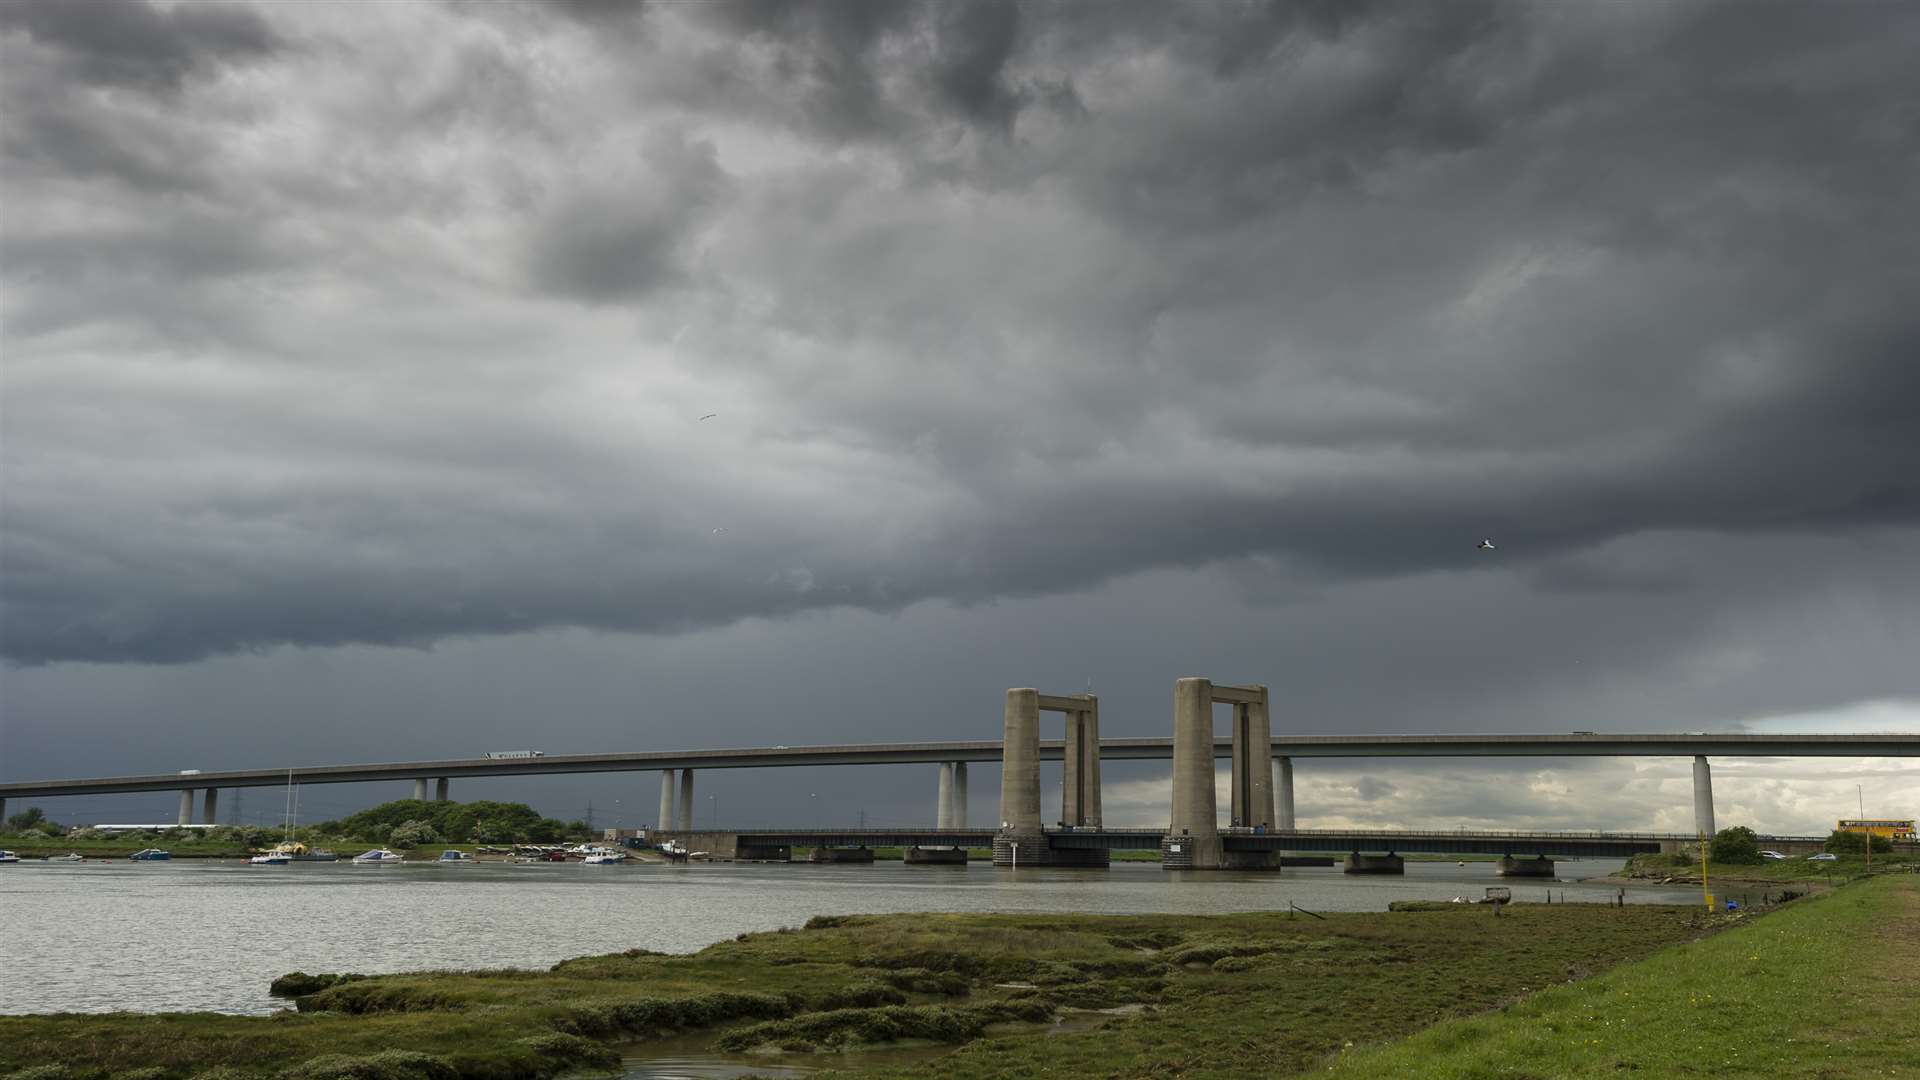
{"x": 762, "y": 853}
{"x": 935, "y": 856}
{"x": 440, "y": 789}
{"x": 665, "y": 820}
{"x": 1375, "y": 864}
{"x": 841, "y": 855}
{"x": 1702, "y": 797}
{"x": 420, "y": 790}
{"x": 210, "y": 807}
{"x": 683, "y": 813}
{"x": 1035, "y": 851}
{"x": 186, "y": 807}
{"x": 1537, "y": 867}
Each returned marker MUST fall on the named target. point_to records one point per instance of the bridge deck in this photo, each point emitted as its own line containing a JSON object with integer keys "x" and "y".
{"x": 1300, "y": 746}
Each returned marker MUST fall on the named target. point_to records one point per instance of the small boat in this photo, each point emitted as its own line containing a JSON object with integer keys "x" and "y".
{"x": 8, "y": 856}
{"x": 450, "y": 855}
{"x": 271, "y": 858}
{"x": 317, "y": 855}
{"x": 69, "y": 857}
{"x": 152, "y": 854}
{"x": 378, "y": 855}
{"x": 603, "y": 858}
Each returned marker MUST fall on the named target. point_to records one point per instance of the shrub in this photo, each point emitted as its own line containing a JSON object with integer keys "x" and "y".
{"x": 41, "y": 1072}
{"x": 1848, "y": 842}
{"x": 571, "y": 1050}
{"x": 411, "y": 834}
{"x": 1736, "y": 845}
{"x": 842, "y": 1027}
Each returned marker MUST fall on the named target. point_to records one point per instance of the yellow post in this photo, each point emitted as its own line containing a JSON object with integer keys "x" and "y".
{"x": 1703, "y": 871}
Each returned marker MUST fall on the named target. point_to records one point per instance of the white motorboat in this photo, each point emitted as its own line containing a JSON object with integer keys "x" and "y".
{"x": 453, "y": 855}
{"x": 603, "y": 858}
{"x": 8, "y": 856}
{"x": 271, "y": 858}
{"x": 376, "y": 856}
{"x": 69, "y": 857}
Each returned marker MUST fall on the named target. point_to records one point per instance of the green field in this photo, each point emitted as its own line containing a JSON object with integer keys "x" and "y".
{"x": 1828, "y": 987}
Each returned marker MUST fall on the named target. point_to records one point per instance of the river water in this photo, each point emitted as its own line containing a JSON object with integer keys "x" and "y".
{"x": 201, "y": 935}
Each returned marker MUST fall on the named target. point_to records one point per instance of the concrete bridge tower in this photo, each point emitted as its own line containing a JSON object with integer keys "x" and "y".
{"x": 1022, "y": 838}
{"x": 1193, "y": 841}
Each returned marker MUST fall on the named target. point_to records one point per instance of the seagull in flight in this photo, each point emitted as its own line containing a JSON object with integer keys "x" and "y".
{"x": 1486, "y": 545}
{"x": 710, "y": 416}
{"x": 719, "y": 530}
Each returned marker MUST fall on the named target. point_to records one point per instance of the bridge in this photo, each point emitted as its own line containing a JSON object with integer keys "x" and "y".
{"x": 1262, "y": 801}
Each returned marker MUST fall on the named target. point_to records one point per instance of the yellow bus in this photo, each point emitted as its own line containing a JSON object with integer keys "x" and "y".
{"x": 1891, "y": 828}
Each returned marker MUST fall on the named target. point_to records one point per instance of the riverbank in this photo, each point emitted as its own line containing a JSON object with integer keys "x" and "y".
{"x": 1667, "y": 870}
{"x": 1826, "y": 987}
{"x": 1211, "y": 994}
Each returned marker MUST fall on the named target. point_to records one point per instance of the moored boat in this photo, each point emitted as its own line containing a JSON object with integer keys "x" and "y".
{"x": 604, "y": 856}
{"x": 452, "y": 856}
{"x": 152, "y": 854}
{"x": 8, "y": 856}
{"x": 270, "y": 858}
{"x": 376, "y": 856}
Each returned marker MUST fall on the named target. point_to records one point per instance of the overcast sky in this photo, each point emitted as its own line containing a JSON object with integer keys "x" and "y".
{"x": 356, "y": 355}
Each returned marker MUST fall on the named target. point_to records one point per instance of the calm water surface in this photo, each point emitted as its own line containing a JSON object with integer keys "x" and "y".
{"x": 198, "y": 935}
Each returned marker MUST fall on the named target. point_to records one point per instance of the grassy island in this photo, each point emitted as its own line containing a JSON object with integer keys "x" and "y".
{"x": 1189, "y": 996}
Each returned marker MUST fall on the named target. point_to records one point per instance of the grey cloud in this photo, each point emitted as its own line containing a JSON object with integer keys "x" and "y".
{"x": 995, "y": 302}
{"x": 137, "y": 44}
{"x": 622, "y": 236}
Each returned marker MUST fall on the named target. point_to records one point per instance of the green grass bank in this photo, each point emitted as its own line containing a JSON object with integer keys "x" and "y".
{"x": 1827, "y": 987}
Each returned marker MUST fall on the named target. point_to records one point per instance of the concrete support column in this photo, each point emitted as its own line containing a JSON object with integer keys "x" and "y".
{"x": 665, "y": 820}
{"x": 943, "y": 809}
{"x": 959, "y": 794}
{"x": 1702, "y": 797}
{"x": 685, "y": 817}
{"x": 420, "y": 790}
{"x": 1283, "y": 794}
{"x": 1020, "y": 764}
{"x": 1193, "y": 841}
{"x": 3, "y": 809}
{"x": 209, "y": 804}
{"x": 1080, "y": 787}
{"x": 1252, "y": 777}
{"x": 186, "y": 806}
{"x": 440, "y": 789}
{"x": 1090, "y": 763}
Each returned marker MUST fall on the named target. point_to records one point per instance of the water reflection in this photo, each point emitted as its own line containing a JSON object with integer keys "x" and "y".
{"x": 103, "y": 936}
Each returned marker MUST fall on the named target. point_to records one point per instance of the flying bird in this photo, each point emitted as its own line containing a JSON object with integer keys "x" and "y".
{"x": 720, "y": 530}
{"x": 710, "y": 416}
{"x": 1486, "y": 545}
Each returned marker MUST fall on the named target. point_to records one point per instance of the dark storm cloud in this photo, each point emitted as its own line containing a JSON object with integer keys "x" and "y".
{"x": 136, "y": 44}
{"x": 992, "y": 300}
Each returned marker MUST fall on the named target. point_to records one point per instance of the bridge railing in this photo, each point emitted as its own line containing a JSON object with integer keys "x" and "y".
{"x": 1550, "y": 834}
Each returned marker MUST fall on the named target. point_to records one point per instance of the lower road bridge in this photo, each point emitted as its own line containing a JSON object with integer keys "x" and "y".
{"x": 1524, "y": 853}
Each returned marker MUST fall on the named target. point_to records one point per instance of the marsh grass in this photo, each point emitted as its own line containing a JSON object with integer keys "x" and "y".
{"x": 1226, "y": 996}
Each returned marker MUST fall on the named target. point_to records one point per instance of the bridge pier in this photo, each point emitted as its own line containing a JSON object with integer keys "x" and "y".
{"x": 1021, "y": 840}
{"x": 440, "y": 789}
{"x": 1540, "y": 866}
{"x": 1080, "y": 758}
{"x": 209, "y": 804}
{"x": 420, "y": 789}
{"x": 1375, "y": 864}
{"x": 1283, "y": 794}
{"x": 943, "y": 810}
{"x": 665, "y": 820}
{"x": 1702, "y": 797}
{"x": 684, "y": 820}
{"x": 1193, "y": 837}
{"x": 841, "y": 855}
{"x": 1252, "y": 786}
{"x": 186, "y": 806}
{"x": 959, "y": 814}
{"x": 934, "y": 856}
